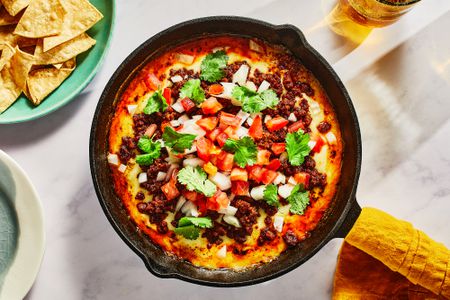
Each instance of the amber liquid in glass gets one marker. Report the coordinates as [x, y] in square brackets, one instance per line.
[376, 13]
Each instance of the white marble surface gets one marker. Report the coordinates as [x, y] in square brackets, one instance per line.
[399, 80]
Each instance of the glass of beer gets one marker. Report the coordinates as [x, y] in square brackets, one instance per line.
[376, 13]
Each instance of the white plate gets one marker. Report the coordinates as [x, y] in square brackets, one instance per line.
[22, 236]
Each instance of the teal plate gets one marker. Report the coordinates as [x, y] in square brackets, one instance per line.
[88, 64]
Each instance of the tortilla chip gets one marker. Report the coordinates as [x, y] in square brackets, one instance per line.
[21, 63]
[65, 51]
[42, 82]
[7, 36]
[7, 53]
[7, 19]
[9, 91]
[15, 6]
[80, 16]
[42, 18]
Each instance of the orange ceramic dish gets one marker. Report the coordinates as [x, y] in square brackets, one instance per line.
[225, 151]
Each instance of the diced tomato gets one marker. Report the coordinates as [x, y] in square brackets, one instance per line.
[187, 104]
[255, 172]
[256, 130]
[278, 148]
[302, 178]
[190, 195]
[204, 148]
[268, 176]
[296, 126]
[201, 204]
[263, 157]
[170, 189]
[230, 131]
[167, 94]
[240, 188]
[218, 201]
[225, 161]
[222, 138]
[210, 168]
[213, 134]
[274, 164]
[208, 123]
[319, 143]
[276, 123]
[152, 82]
[238, 174]
[229, 119]
[215, 89]
[211, 106]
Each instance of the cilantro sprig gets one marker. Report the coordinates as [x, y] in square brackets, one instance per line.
[189, 232]
[156, 102]
[297, 147]
[253, 102]
[192, 89]
[195, 179]
[188, 227]
[177, 141]
[271, 195]
[245, 151]
[298, 199]
[211, 68]
[152, 151]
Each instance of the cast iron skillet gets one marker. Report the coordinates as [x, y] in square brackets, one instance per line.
[340, 216]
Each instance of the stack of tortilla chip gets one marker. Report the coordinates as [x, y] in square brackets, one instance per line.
[385, 258]
[39, 42]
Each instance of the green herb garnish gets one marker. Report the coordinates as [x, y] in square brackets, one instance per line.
[298, 199]
[156, 102]
[212, 66]
[190, 232]
[271, 195]
[297, 147]
[201, 222]
[245, 151]
[152, 151]
[177, 141]
[253, 102]
[193, 90]
[195, 179]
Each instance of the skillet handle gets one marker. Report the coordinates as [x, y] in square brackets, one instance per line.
[349, 221]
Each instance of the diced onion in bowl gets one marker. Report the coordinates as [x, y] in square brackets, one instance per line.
[257, 192]
[113, 159]
[255, 46]
[331, 138]
[292, 117]
[221, 180]
[194, 162]
[232, 220]
[278, 223]
[161, 176]
[222, 253]
[241, 74]
[251, 86]
[280, 179]
[227, 90]
[230, 210]
[142, 177]
[180, 203]
[178, 107]
[131, 108]
[185, 58]
[285, 190]
[122, 168]
[176, 78]
[263, 86]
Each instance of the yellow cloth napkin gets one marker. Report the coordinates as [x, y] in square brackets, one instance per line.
[386, 258]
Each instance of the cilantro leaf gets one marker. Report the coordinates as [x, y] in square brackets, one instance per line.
[152, 151]
[297, 147]
[190, 232]
[212, 66]
[253, 102]
[192, 90]
[156, 102]
[298, 199]
[245, 151]
[198, 222]
[271, 195]
[196, 179]
[177, 141]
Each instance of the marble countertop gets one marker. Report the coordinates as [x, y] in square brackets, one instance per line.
[398, 78]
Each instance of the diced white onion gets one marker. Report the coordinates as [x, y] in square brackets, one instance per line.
[263, 86]
[267, 118]
[249, 121]
[161, 142]
[194, 162]
[232, 220]
[190, 209]
[131, 108]
[192, 150]
[161, 176]
[221, 180]
[176, 78]
[283, 157]
[178, 107]
[180, 203]
[175, 123]
[280, 179]
[185, 58]
[255, 47]
[113, 159]
[257, 192]
[243, 115]
[227, 90]
[292, 180]
[192, 128]
[183, 119]
[230, 210]
[241, 132]
[283, 211]
[142, 178]
[172, 158]
[196, 117]
[278, 223]
[241, 74]
[311, 144]
[285, 190]
[331, 138]
[122, 168]
[222, 253]
[292, 117]
[314, 107]
[251, 86]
